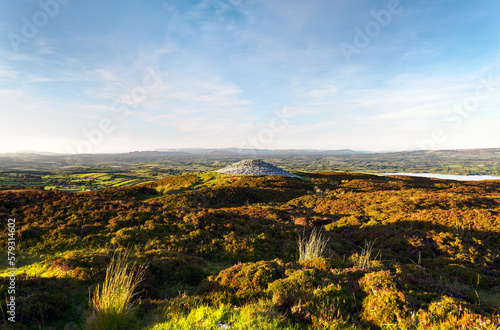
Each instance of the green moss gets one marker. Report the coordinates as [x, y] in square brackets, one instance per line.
[259, 315]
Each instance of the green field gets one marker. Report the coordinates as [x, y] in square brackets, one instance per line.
[70, 182]
[91, 172]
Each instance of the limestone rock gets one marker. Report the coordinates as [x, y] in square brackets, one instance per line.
[255, 167]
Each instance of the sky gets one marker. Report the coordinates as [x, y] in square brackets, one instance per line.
[118, 76]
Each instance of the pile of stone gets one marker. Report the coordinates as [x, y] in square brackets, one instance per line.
[255, 167]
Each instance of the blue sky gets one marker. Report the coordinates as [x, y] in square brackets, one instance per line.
[118, 76]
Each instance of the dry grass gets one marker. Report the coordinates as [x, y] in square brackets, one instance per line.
[313, 247]
[365, 259]
[111, 305]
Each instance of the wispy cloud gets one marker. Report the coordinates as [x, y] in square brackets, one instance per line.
[214, 72]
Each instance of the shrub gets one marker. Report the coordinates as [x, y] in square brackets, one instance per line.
[245, 281]
[314, 296]
[80, 265]
[384, 304]
[451, 313]
[41, 300]
[166, 272]
[111, 306]
[296, 287]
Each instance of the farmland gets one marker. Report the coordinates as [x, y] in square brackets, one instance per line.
[89, 172]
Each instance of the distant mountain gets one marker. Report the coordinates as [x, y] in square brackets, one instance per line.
[252, 153]
[33, 152]
[222, 152]
[447, 153]
[239, 151]
[28, 155]
[155, 153]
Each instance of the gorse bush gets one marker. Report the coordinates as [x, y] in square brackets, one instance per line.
[111, 305]
[313, 247]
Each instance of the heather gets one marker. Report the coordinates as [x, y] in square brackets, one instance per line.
[222, 251]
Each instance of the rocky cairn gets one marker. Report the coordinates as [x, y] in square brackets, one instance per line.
[255, 167]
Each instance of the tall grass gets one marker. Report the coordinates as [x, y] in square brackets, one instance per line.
[365, 259]
[312, 247]
[111, 305]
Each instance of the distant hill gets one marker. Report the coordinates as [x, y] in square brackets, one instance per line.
[239, 151]
[155, 153]
[457, 161]
[480, 152]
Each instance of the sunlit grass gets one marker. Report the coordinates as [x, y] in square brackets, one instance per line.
[192, 181]
[365, 259]
[259, 315]
[312, 247]
[111, 305]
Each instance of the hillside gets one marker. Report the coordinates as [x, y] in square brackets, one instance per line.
[222, 251]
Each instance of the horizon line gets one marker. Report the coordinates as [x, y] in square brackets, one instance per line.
[166, 150]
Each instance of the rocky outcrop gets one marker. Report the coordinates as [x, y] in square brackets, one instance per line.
[255, 167]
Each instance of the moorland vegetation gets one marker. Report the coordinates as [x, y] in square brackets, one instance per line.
[227, 251]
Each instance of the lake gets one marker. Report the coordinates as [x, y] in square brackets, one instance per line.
[450, 176]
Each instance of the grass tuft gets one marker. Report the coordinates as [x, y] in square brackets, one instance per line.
[365, 260]
[111, 306]
[312, 247]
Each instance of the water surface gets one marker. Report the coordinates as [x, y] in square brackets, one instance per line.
[450, 176]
